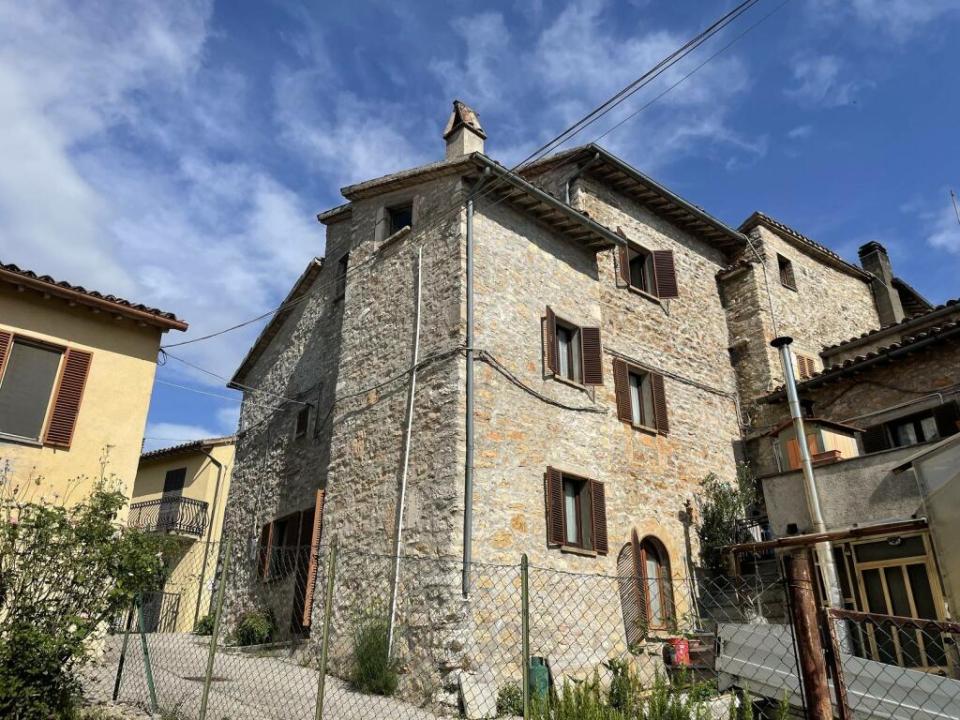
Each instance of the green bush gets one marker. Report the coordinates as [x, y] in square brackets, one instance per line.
[373, 671]
[255, 627]
[204, 626]
[510, 700]
[64, 573]
[722, 507]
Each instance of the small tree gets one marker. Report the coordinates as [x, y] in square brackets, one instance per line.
[723, 507]
[64, 572]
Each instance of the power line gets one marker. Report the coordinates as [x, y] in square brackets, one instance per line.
[591, 117]
[167, 353]
[953, 196]
[215, 395]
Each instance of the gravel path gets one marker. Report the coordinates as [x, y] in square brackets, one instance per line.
[245, 687]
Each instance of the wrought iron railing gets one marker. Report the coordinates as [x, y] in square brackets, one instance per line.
[171, 514]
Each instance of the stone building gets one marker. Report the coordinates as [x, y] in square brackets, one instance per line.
[620, 354]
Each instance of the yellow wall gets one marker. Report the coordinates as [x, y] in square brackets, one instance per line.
[116, 397]
[189, 579]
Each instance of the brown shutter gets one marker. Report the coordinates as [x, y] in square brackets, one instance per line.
[592, 356]
[665, 273]
[638, 571]
[266, 540]
[553, 492]
[599, 513]
[623, 256]
[6, 339]
[621, 384]
[875, 439]
[550, 340]
[947, 417]
[312, 566]
[659, 403]
[66, 403]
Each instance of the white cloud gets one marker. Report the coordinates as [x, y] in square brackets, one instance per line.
[165, 434]
[943, 229]
[898, 19]
[477, 80]
[800, 132]
[820, 82]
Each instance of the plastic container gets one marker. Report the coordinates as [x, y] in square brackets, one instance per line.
[681, 651]
[538, 678]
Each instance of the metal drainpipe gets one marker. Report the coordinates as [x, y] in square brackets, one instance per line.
[828, 568]
[468, 461]
[398, 542]
[210, 524]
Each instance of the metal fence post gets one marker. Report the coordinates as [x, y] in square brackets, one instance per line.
[147, 667]
[212, 651]
[123, 653]
[327, 612]
[816, 688]
[525, 631]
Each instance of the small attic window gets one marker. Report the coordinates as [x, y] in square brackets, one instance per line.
[787, 278]
[400, 217]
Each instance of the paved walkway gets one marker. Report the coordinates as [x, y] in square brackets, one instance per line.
[245, 687]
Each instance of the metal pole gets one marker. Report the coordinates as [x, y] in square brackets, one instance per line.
[211, 523]
[411, 398]
[468, 462]
[147, 668]
[525, 631]
[327, 612]
[813, 670]
[123, 654]
[828, 567]
[212, 650]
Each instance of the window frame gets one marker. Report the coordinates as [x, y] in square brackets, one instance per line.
[343, 267]
[574, 352]
[786, 273]
[300, 432]
[28, 340]
[392, 211]
[644, 384]
[663, 573]
[649, 286]
[583, 489]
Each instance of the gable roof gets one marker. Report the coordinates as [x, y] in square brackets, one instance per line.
[821, 252]
[910, 298]
[187, 448]
[79, 295]
[950, 307]
[270, 330]
[607, 168]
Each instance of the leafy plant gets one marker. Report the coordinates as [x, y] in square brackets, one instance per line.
[722, 507]
[64, 572]
[204, 625]
[373, 670]
[255, 627]
[510, 700]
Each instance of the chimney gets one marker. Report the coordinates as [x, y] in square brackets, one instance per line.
[874, 259]
[463, 133]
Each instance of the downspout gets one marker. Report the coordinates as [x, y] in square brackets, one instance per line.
[577, 174]
[411, 396]
[210, 525]
[468, 461]
[824, 549]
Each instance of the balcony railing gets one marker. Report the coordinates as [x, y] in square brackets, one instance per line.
[172, 514]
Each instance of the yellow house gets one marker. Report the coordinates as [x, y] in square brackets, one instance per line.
[182, 491]
[76, 374]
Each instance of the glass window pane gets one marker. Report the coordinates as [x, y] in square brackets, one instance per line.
[575, 373]
[586, 515]
[652, 572]
[570, 510]
[900, 601]
[905, 434]
[26, 389]
[638, 270]
[922, 595]
[635, 384]
[563, 350]
[647, 393]
[929, 427]
[875, 551]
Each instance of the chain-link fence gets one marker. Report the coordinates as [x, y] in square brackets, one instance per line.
[374, 636]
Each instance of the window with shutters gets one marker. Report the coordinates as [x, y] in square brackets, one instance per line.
[641, 398]
[934, 424]
[649, 272]
[646, 587]
[28, 375]
[785, 267]
[302, 423]
[573, 353]
[804, 366]
[576, 512]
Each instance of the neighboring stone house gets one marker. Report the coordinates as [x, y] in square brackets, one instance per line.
[76, 375]
[621, 353]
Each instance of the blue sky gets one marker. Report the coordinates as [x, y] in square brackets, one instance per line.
[176, 153]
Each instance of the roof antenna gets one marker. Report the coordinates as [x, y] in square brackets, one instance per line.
[953, 196]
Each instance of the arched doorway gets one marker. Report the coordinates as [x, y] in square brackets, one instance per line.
[646, 588]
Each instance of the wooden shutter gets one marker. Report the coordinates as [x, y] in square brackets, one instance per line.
[6, 340]
[631, 600]
[598, 511]
[665, 273]
[550, 340]
[638, 571]
[312, 566]
[623, 257]
[875, 439]
[659, 403]
[947, 416]
[263, 560]
[592, 356]
[66, 403]
[553, 492]
[621, 384]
